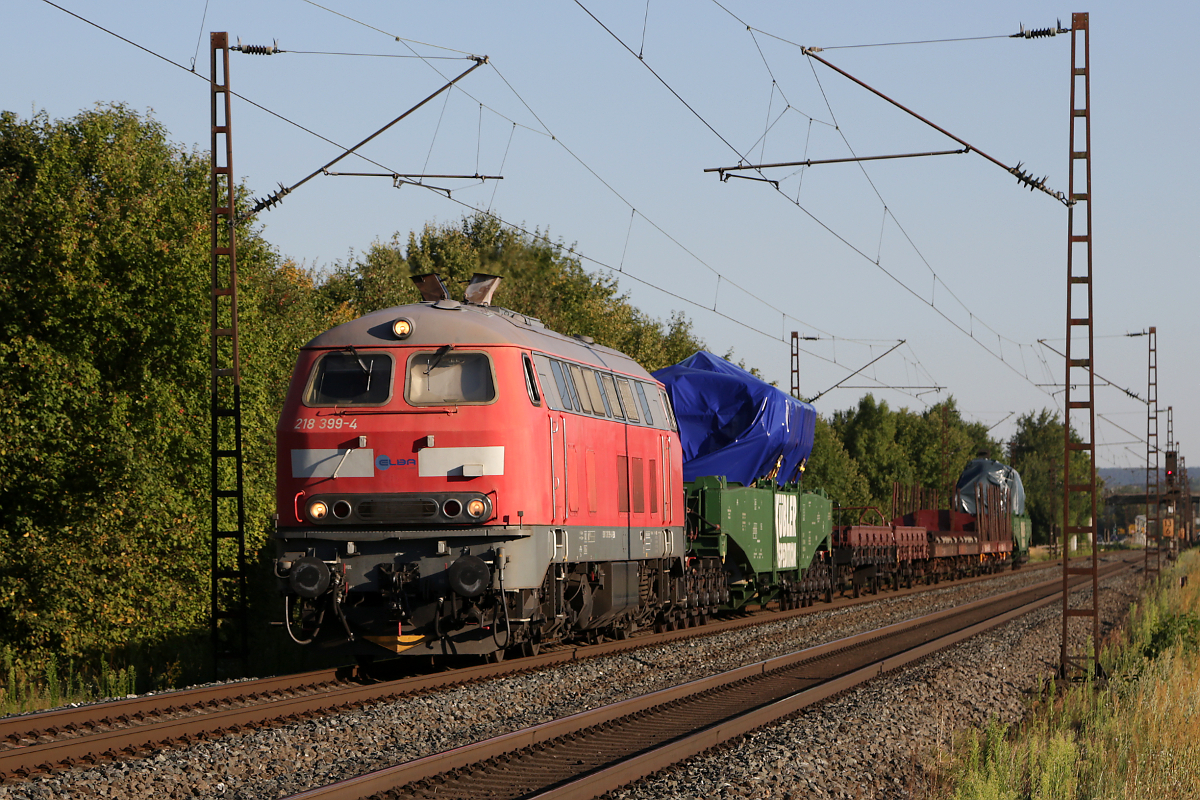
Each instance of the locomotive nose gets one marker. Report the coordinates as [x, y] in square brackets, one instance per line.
[469, 576]
[309, 577]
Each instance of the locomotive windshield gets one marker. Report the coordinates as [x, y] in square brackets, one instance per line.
[350, 378]
[449, 377]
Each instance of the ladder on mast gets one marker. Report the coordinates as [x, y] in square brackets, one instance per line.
[1153, 490]
[1080, 372]
[229, 621]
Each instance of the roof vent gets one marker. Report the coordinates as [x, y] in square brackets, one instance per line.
[431, 286]
[481, 288]
[585, 339]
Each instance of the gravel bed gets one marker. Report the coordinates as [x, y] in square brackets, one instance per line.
[877, 741]
[886, 727]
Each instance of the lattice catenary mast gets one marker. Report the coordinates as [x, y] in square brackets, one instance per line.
[1081, 375]
[228, 541]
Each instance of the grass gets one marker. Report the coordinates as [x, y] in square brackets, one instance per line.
[54, 684]
[1133, 736]
[1042, 553]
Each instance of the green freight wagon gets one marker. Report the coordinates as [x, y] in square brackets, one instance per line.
[772, 540]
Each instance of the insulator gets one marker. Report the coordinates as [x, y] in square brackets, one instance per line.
[1038, 33]
[257, 49]
[270, 200]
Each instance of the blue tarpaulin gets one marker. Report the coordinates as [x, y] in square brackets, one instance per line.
[734, 424]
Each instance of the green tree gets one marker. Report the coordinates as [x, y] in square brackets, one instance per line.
[831, 468]
[871, 435]
[104, 362]
[929, 449]
[542, 279]
[940, 443]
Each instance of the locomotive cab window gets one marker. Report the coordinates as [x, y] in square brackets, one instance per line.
[350, 378]
[449, 377]
[531, 385]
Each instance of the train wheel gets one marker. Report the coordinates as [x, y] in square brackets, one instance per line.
[531, 648]
[494, 657]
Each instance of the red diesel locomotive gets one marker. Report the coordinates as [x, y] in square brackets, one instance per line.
[454, 478]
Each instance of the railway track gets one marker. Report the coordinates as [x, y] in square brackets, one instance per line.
[587, 754]
[44, 742]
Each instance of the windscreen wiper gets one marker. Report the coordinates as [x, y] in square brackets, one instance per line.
[437, 357]
[366, 370]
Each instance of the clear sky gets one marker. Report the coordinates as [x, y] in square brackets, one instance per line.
[607, 151]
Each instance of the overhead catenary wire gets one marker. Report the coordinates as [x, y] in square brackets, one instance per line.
[275, 197]
[376, 55]
[515, 124]
[1107, 382]
[587, 167]
[1016, 171]
[546, 131]
[460, 202]
[817, 396]
[385, 33]
[876, 44]
[200, 35]
[720, 277]
[804, 210]
[193, 73]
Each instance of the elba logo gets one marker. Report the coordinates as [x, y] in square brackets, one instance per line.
[383, 462]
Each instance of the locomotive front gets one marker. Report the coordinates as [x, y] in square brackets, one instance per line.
[401, 507]
[453, 478]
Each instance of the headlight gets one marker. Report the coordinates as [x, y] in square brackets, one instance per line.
[317, 510]
[402, 328]
[476, 507]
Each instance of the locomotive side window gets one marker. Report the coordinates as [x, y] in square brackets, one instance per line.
[531, 381]
[645, 405]
[610, 395]
[666, 401]
[599, 404]
[449, 377]
[579, 389]
[350, 378]
[627, 401]
[553, 388]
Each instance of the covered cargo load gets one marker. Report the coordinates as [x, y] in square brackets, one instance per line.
[985, 470]
[735, 425]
